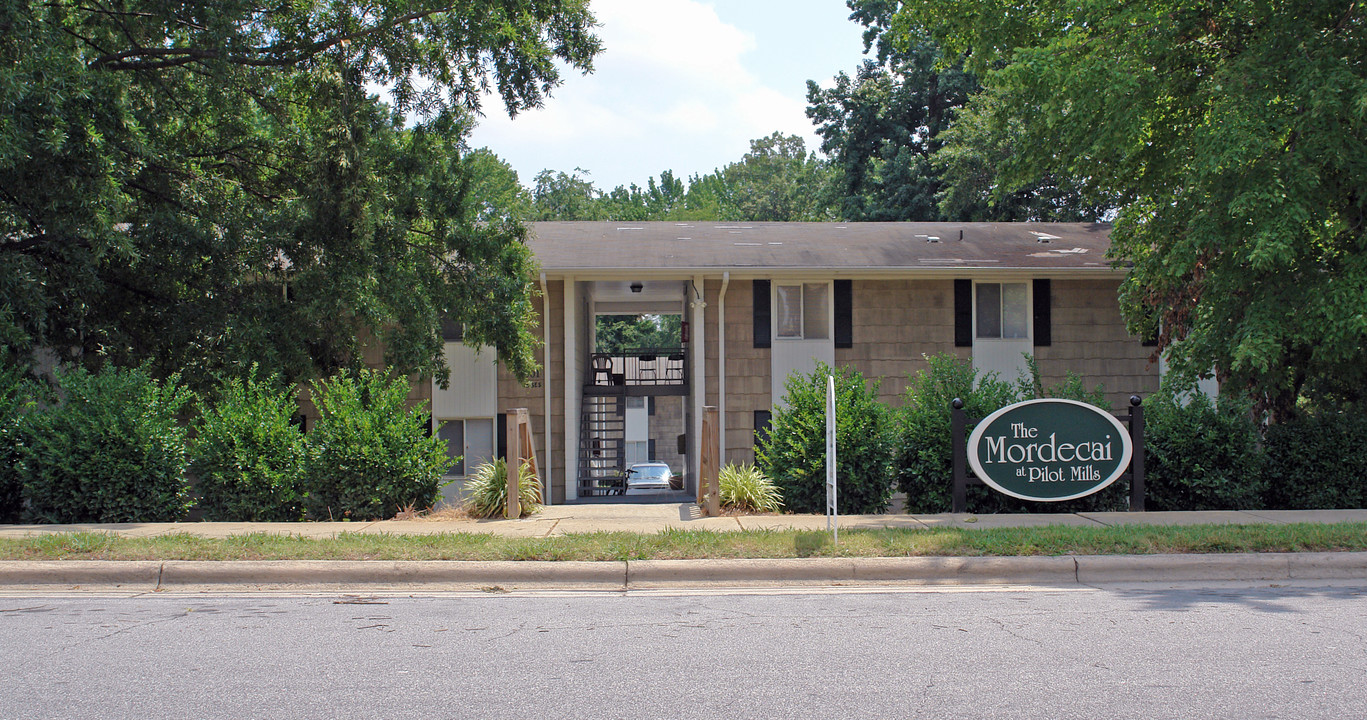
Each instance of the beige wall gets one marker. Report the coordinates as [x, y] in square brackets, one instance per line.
[747, 369]
[1089, 338]
[895, 324]
[665, 427]
[512, 394]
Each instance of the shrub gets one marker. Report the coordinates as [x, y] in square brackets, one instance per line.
[13, 398]
[744, 487]
[1199, 454]
[488, 490]
[1316, 461]
[794, 454]
[925, 445]
[248, 454]
[109, 449]
[370, 455]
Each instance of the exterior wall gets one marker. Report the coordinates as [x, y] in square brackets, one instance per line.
[747, 371]
[1089, 338]
[665, 427]
[895, 323]
[512, 394]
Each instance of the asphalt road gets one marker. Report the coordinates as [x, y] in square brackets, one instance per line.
[1136, 652]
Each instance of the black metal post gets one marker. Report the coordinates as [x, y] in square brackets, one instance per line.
[1137, 489]
[958, 423]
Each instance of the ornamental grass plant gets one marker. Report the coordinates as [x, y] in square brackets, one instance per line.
[745, 487]
[488, 490]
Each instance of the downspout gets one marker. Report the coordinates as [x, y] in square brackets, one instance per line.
[547, 491]
[698, 370]
[721, 369]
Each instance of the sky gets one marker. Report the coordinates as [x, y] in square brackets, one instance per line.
[681, 85]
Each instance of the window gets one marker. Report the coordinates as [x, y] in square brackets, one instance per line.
[471, 440]
[637, 451]
[452, 331]
[804, 311]
[1002, 310]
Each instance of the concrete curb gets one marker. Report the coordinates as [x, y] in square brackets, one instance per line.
[1103, 569]
[508, 575]
[658, 574]
[106, 573]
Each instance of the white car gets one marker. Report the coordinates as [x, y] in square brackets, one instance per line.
[648, 476]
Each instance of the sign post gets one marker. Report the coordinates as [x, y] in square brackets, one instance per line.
[832, 514]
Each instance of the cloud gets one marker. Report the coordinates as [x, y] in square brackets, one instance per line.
[671, 91]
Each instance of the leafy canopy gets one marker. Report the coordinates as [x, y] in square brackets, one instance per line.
[202, 185]
[1233, 133]
[778, 180]
[904, 147]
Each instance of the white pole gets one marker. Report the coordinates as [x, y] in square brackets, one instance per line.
[832, 515]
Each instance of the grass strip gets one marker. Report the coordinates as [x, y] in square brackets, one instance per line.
[673, 544]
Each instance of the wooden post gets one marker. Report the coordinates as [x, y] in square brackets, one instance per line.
[709, 469]
[528, 445]
[514, 463]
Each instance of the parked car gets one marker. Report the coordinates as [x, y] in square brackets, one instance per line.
[649, 476]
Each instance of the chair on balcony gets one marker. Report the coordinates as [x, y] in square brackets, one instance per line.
[647, 373]
[602, 365]
[674, 367]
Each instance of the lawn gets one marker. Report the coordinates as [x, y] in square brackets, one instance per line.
[699, 544]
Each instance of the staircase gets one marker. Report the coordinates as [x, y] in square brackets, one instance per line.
[602, 442]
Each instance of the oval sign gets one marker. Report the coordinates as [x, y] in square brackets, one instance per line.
[1050, 450]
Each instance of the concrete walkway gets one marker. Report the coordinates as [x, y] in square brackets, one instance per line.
[570, 519]
[133, 577]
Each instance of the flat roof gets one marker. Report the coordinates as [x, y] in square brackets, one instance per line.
[858, 248]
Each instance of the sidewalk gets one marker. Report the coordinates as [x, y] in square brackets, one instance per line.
[569, 519]
[387, 576]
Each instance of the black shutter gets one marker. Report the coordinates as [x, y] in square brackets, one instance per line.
[651, 451]
[762, 326]
[963, 313]
[1044, 323]
[650, 404]
[501, 434]
[844, 313]
[762, 419]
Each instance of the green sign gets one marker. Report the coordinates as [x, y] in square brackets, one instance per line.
[1049, 450]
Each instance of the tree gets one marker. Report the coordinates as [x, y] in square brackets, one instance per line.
[618, 334]
[496, 194]
[903, 147]
[881, 127]
[657, 201]
[1233, 134]
[202, 185]
[566, 196]
[968, 166]
[777, 181]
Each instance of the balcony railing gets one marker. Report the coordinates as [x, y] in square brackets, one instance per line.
[639, 366]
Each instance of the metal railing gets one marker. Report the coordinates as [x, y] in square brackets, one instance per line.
[639, 366]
